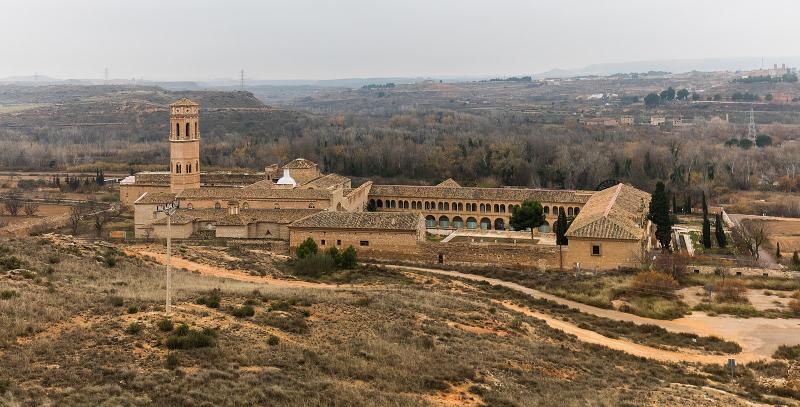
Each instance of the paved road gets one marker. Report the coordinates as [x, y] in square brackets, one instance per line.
[758, 337]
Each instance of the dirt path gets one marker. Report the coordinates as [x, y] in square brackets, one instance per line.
[758, 337]
[588, 336]
[213, 271]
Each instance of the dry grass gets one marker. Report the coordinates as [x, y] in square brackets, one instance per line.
[396, 345]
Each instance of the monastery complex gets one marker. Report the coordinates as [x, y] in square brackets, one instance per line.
[293, 201]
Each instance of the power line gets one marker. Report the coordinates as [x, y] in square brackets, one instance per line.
[751, 128]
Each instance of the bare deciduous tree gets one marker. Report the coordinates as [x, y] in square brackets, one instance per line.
[12, 201]
[31, 208]
[749, 237]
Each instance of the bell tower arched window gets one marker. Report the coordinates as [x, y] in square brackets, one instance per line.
[177, 130]
[178, 168]
[188, 132]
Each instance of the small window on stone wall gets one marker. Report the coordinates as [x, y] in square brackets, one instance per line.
[322, 242]
[364, 243]
[338, 242]
[595, 250]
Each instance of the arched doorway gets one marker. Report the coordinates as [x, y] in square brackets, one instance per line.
[486, 224]
[444, 222]
[499, 224]
[458, 223]
[472, 223]
[430, 221]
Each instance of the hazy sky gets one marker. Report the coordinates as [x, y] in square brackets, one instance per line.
[294, 39]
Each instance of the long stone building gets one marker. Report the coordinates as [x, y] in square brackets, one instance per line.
[295, 201]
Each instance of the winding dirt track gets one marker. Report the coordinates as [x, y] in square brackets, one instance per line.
[759, 337]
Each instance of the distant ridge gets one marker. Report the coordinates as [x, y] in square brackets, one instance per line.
[672, 65]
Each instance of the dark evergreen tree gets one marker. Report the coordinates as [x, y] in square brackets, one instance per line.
[706, 225]
[675, 209]
[687, 205]
[778, 254]
[561, 227]
[659, 215]
[720, 232]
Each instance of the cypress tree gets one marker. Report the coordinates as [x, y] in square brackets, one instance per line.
[561, 229]
[706, 225]
[795, 261]
[659, 215]
[675, 209]
[778, 250]
[720, 232]
[687, 205]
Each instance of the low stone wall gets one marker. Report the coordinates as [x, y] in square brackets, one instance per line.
[472, 254]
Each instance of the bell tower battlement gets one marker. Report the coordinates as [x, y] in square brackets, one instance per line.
[184, 145]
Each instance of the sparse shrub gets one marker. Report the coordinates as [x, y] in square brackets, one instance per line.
[116, 301]
[654, 283]
[171, 362]
[273, 340]
[134, 328]
[211, 300]
[243, 311]
[165, 325]
[794, 306]
[186, 338]
[53, 259]
[110, 261]
[132, 309]
[314, 265]
[7, 294]
[291, 323]
[307, 248]
[730, 291]
[10, 262]
[787, 352]
[5, 385]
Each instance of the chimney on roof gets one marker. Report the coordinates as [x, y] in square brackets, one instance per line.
[233, 207]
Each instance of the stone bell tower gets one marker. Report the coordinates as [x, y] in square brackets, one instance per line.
[184, 145]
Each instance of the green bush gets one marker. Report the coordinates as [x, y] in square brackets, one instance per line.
[348, 260]
[243, 311]
[171, 361]
[116, 301]
[211, 300]
[53, 259]
[186, 338]
[11, 262]
[133, 309]
[787, 352]
[165, 325]
[307, 248]
[134, 328]
[314, 265]
[273, 340]
[8, 294]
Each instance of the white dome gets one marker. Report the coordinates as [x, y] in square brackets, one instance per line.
[287, 179]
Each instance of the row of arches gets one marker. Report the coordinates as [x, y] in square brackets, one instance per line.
[443, 206]
[444, 222]
[187, 168]
[188, 133]
[568, 211]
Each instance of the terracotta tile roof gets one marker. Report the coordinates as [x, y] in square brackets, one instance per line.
[161, 178]
[184, 102]
[299, 163]
[449, 183]
[155, 198]
[327, 181]
[613, 213]
[245, 216]
[255, 193]
[360, 220]
[479, 194]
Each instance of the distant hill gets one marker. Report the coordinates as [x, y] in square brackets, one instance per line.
[674, 65]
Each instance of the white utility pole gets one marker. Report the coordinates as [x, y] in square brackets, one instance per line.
[169, 210]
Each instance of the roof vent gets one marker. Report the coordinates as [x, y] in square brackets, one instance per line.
[287, 179]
